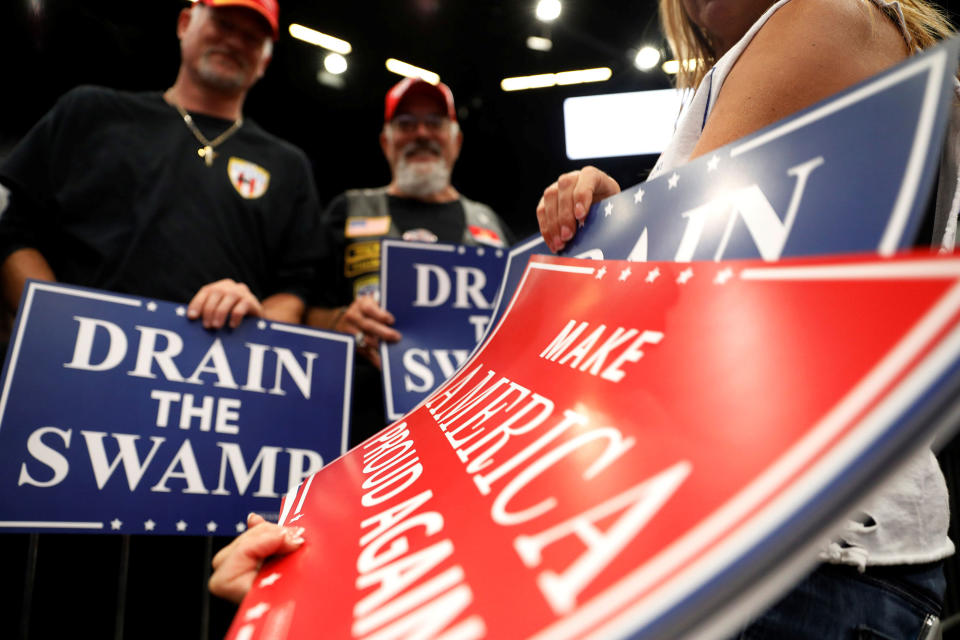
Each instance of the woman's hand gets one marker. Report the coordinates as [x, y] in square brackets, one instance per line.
[565, 203]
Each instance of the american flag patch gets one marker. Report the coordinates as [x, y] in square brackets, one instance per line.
[485, 236]
[359, 227]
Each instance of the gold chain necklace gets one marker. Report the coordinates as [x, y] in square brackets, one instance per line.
[206, 151]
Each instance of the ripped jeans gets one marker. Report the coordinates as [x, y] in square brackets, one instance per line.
[837, 602]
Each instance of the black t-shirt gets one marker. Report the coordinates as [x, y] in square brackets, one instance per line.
[109, 187]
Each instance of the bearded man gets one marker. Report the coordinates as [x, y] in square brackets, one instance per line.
[421, 141]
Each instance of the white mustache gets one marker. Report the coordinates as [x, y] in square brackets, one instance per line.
[423, 145]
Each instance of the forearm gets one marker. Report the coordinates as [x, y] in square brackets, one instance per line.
[283, 307]
[20, 265]
[324, 318]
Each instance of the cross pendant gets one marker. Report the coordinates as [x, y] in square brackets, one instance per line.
[207, 154]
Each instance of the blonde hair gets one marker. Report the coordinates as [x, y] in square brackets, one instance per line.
[926, 23]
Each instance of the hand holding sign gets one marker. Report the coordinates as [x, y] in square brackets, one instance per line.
[564, 204]
[369, 324]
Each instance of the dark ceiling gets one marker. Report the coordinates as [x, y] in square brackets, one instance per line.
[513, 141]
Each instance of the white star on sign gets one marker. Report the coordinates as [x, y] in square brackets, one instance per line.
[607, 210]
[151, 306]
[624, 274]
[256, 612]
[211, 526]
[653, 274]
[181, 526]
[480, 251]
[723, 276]
[638, 196]
[115, 524]
[712, 163]
[262, 324]
[602, 271]
[674, 179]
[181, 311]
[461, 250]
[270, 579]
[499, 253]
[241, 527]
[685, 275]
[149, 525]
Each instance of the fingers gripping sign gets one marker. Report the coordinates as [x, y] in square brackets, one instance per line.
[564, 204]
[217, 301]
[369, 324]
[236, 565]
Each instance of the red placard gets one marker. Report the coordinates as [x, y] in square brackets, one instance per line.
[630, 432]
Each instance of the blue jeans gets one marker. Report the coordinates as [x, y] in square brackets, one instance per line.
[837, 602]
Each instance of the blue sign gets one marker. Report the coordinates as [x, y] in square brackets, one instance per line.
[848, 174]
[118, 415]
[441, 296]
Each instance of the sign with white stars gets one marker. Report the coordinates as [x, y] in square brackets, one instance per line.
[441, 296]
[851, 173]
[119, 415]
[640, 462]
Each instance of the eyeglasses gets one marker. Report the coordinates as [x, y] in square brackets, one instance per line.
[407, 123]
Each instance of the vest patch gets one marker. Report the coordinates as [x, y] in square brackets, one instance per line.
[361, 257]
[250, 180]
[485, 236]
[363, 226]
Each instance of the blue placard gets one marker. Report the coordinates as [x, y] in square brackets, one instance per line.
[118, 415]
[851, 173]
[441, 296]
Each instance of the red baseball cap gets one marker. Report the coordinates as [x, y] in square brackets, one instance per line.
[409, 86]
[266, 8]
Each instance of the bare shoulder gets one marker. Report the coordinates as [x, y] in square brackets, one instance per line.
[807, 51]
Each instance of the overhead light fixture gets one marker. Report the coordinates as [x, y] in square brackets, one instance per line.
[402, 68]
[548, 10]
[543, 80]
[335, 63]
[538, 43]
[672, 67]
[646, 58]
[319, 39]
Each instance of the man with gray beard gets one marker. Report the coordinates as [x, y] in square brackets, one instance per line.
[421, 140]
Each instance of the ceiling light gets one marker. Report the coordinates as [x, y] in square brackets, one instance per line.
[548, 10]
[538, 43]
[313, 36]
[673, 66]
[543, 80]
[406, 69]
[335, 63]
[646, 58]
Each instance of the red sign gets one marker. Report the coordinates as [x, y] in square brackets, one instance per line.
[627, 445]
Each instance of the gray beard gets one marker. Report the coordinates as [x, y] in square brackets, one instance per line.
[421, 179]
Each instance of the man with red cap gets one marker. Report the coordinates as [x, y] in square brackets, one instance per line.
[421, 140]
[170, 195]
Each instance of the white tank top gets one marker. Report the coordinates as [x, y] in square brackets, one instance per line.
[906, 520]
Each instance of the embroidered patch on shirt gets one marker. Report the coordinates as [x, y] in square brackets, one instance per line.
[485, 236]
[419, 235]
[250, 180]
[359, 227]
